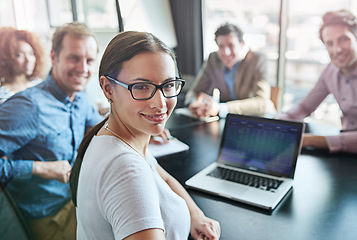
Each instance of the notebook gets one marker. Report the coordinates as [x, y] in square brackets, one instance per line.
[173, 146]
[256, 161]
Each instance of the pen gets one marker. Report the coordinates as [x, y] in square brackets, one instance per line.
[216, 95]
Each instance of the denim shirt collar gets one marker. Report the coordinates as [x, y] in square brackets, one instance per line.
[56, 91]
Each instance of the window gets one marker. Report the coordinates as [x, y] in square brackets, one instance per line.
[59, 12]
[24, 14]
[151, 16]
[98, 14]
[306, 56]
[7, 16]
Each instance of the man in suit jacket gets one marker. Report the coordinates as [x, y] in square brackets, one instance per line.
[238, 73]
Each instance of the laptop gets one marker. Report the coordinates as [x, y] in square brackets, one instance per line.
[256, 161]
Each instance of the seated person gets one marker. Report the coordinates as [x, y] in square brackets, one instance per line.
[120, 190]
[42, 127]
[239, 74]
[338, 32]
[21, 61]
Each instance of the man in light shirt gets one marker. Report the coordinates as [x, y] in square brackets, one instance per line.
[338, 32]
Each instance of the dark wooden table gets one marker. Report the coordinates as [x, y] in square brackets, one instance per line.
[321, 205]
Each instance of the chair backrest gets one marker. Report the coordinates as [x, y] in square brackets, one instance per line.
[12, 224]
[274, 96]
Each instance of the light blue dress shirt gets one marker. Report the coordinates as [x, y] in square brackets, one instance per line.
[229, 78]
[41, 124]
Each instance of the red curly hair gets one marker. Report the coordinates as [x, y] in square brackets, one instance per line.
[9, 38]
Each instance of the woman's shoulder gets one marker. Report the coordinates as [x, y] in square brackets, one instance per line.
[5, 93]
[114, 152]
[35, 81]
[112, 161]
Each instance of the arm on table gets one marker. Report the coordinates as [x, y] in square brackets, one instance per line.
[311, 140]
[204, 106]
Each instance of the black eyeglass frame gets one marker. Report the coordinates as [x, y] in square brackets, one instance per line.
[130, 86]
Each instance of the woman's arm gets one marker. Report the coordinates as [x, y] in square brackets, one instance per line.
[201, 226]
[154, 234]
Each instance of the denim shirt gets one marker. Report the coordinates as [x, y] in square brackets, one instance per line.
[229, 78]
[41, 124]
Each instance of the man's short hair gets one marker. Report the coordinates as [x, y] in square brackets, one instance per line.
[341, 17]
[229, 28]
[75, 29]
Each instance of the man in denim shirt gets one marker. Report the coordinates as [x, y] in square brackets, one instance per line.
[40, 131]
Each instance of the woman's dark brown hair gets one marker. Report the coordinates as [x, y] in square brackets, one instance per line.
[121, 48]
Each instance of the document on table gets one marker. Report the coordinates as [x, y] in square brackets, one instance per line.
[185, 111]
[173, 146]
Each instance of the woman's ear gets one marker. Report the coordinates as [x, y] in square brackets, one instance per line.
[107, 87]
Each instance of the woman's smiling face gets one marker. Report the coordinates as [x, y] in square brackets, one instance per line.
[145, 116]
[25, 59]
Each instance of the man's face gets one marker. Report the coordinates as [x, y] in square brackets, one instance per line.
[229, 48]
[74, 65]
[341, 45]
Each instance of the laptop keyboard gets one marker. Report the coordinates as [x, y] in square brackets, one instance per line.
[245, 178]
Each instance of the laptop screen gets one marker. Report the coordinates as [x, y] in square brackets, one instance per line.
[263, 145]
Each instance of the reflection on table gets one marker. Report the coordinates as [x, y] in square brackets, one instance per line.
[321, 205]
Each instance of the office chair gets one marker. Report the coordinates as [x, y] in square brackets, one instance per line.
[274, 96]
[13, 226]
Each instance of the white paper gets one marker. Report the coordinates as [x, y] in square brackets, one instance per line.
[187, 112]
[173, 146]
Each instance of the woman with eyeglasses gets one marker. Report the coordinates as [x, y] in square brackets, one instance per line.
[119, 189]
[21, 61]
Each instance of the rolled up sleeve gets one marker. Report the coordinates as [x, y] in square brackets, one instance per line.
[20, 170]
[17, 128]
[343, 142]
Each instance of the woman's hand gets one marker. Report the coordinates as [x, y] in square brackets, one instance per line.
[204, 228]
[162, 138]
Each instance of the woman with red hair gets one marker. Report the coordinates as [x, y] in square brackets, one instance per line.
[21, 61]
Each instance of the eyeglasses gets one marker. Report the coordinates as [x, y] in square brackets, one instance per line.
[145, 91]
